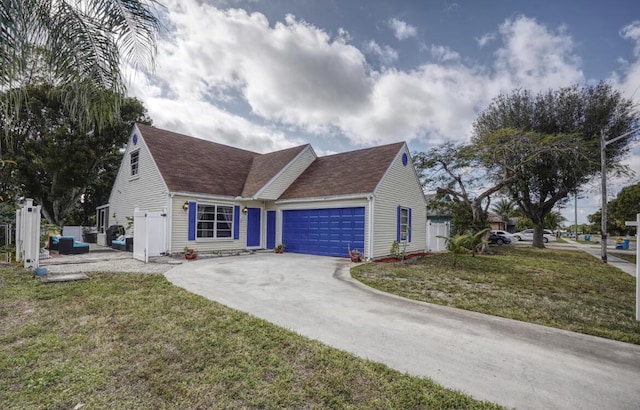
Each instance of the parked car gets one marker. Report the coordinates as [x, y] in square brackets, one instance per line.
[503, 233]
[527, 235]
[497, 239]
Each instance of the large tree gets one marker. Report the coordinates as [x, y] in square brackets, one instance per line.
[58, 158]
[559, 132]
[79, 46]
[471, 173]
[505, 209]
[624, 207]
[446, 169]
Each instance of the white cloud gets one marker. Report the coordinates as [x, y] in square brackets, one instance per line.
[531, 53]
[291, 72]
[628, 79]
[401, 29]
[202, 120]
[404, 106]
[632, 32]
[386, 54]
[485, 39]
[443, 54]
[344, 35]
[292, 76]
[452, 7]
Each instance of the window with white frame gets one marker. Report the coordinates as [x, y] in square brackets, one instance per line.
[404, 224]
[214, 221]
[135, 160]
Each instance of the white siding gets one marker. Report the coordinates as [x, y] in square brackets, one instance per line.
[146, 191]
[180, 225]
[322, 204]
[290, 173]
[399, 186]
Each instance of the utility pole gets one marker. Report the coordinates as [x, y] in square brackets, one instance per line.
[603, 169]
[603, 220]
[575, 231]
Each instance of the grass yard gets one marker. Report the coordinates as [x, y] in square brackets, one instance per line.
[626, 256]
[130, 341]
[564, 289]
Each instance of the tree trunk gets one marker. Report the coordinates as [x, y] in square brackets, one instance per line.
[538, 236]
[479, 223]
[484, 248]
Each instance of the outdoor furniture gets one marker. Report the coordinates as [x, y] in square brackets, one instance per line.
[90, 237]
[53, 242]
[123, 243]
[113, 232]
[67, 245]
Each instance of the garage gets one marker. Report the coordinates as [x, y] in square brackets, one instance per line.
[327, 232]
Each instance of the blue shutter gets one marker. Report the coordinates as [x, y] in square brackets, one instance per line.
[409, 227]
[398, 224]
[193, 210]
[236, 222]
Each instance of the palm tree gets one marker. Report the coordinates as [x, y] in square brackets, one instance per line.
[76, 45]
[553, 220]
[505, 209]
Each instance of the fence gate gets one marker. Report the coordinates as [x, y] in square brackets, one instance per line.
[434, 230]
[149, 238]
[28, 234]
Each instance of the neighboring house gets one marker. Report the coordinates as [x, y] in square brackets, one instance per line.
[437, 211]
[511, 225]
[215, 197]
[438, 222]
[496, 222]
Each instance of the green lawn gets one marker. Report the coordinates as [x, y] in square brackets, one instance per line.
[563, 289]
[626, 256]
[129, 341]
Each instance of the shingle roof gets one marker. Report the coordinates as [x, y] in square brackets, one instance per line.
[355, 172]
[190, 164]
[266, 166]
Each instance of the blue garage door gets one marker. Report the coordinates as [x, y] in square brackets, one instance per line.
[323, 231]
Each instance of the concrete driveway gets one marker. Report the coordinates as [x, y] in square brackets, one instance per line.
[509, 362]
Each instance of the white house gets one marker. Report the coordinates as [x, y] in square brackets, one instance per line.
[216, 197]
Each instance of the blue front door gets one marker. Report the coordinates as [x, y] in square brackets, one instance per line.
[253, 227]
[271, 229]
[327, 232]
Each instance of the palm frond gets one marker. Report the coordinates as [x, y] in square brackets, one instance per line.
[78, 45]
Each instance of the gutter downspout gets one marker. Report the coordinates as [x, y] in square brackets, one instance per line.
[168, 224]
[371, 206]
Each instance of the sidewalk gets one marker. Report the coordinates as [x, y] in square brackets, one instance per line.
[594, 250]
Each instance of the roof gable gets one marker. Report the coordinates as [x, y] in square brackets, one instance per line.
[349, 173]
[189, 164]
[265, 167]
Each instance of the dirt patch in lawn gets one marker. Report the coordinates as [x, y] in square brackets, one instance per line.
[391, 259]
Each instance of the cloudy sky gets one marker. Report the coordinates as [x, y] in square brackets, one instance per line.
[269, 74]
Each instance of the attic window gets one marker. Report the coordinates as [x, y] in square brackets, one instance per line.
[135, 159]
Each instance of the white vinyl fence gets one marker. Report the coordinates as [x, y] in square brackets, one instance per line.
[436, 230]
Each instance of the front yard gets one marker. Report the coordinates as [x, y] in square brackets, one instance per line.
[134, 341]
[564, 289]
[631, 258]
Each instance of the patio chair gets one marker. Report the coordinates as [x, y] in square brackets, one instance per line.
[67, 245]
[53, 242]
[123, 244]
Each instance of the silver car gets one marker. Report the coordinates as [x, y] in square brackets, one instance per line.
[527, 235]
